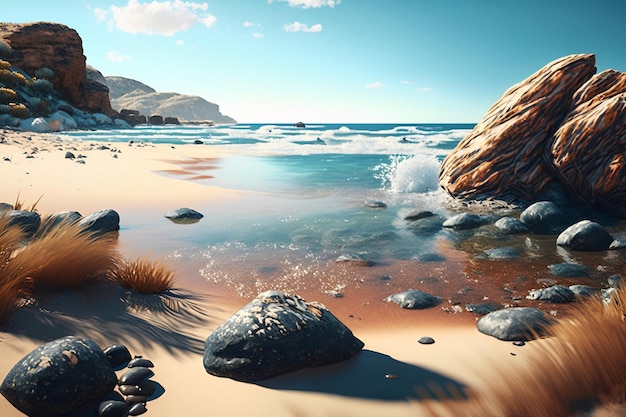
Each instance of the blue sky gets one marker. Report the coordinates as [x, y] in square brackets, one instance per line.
[336, 61]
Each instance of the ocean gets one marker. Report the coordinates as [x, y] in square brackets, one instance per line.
[318, 195]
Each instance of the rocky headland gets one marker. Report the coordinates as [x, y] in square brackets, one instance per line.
[559, 134]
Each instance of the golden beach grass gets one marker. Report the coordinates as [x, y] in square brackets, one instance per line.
[13, 274]
[581, 366]
[143, 275]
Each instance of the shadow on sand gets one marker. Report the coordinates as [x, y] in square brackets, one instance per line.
[371, 375]
[111, 315]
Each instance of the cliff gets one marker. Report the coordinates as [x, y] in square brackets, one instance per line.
[59, 48]
[126, 93]
[562, 128]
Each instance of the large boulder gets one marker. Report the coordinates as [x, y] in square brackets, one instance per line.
[101, 222]
[59, 377]
[274, 334]
[503, 155]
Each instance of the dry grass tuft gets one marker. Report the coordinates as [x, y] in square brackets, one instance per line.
[67, 257]
[144, 276]
[14, 282]
[581, 367]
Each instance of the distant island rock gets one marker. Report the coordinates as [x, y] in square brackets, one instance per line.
[126, 93]
[562, 131]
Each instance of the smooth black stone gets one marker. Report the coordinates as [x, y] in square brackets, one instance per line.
[118, 356]
[545, 217]
[145, 388]
[418, 216]
[414, 299]
[101, 222]
[513, 324]
[511, 226]
[426, 340]
[184, 216]
[112, 408]
[137, 409]
[135, 376]
[133, 399]
[59, 377]
[144, 363]
[554, 294]
[274, 334]
[519, 343]
[464, 221]
[585, 236]
[568, 270]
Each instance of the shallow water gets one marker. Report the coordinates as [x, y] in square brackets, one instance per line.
[314, 194]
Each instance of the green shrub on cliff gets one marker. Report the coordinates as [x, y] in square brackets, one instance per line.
[42, 86]
[5, 50]
[44, 73]
[19, 110]
[5, 109]
[41, 108]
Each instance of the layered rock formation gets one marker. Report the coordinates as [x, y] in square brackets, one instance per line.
[563, 127]
[62, 52]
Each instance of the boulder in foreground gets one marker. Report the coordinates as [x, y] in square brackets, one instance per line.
[59, 377]
[277, 333]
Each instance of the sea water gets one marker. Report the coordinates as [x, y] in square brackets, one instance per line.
[315, 194]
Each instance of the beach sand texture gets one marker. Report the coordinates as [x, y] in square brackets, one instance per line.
[391, 377]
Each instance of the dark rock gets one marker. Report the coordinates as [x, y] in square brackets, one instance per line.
[554, 294]
[58, 219]
[482, 309]
[69, 155]
[545, 218]
[585, 236]
[615, 281]
[517, 323]
[28, 221]
[618, 243]
[59, 377]
[145, 363]
[113, 408]
[464, 221]
[274, 334]
[354, 259]
[414, 299]
[198, 142]
[511, 226]
[569, 270]
[299, 124]
[426, 340]
[376, 204]
[155, 120]
[169, 120]
[133, 399]
[184, 216]
[145, 388]
[519, 343]
[505, 253]
[135, 376]
[418, 216]
[101, 222]
[118, 356]
[5, 207]
[583, 290]
[137, 409]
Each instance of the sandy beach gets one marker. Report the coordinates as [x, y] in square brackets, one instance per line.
[390, 376]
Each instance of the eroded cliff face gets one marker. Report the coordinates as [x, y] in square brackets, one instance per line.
[60, 48]
[561, 125]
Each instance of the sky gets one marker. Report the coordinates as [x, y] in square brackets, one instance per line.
[336, 61]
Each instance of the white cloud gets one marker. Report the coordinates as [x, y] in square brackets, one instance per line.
[376, 84]
[258, 35]
[301, 27]
[159, 17]
[306, 4]
[249, 24]
[425, 89]
[101, 14]
[180, 42]
[115, 56]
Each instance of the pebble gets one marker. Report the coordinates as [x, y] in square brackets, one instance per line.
[137, 409]
[135, 376]
[141, 362]
[426, 340]
[118, 356]
[112, 408]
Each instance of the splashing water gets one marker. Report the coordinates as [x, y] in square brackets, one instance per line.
[410, 174]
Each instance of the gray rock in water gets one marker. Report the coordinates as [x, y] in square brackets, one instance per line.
[482, 309]
[618, 243]
[184, 216]
[517, 323]
[505, 253]
[28, 221]
[411, 217]
[554, 294]
[464, 221]
[511, 226]
[353, 259]
[585, 236]
[583, 290]
[414, 299]
[274, 334]
[101, 222]
[59, 377]
[545, 217]
[569, 270]
[429, 257]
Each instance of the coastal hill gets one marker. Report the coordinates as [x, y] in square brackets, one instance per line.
[126, 93]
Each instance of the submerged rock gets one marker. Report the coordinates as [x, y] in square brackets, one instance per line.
[414, 299]
[274, 334]
[184, 216]
[553, 294]
[59, 377]
[464, 221]
[569, 270]
[585, 236]
[511, 226]
[517, 323]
